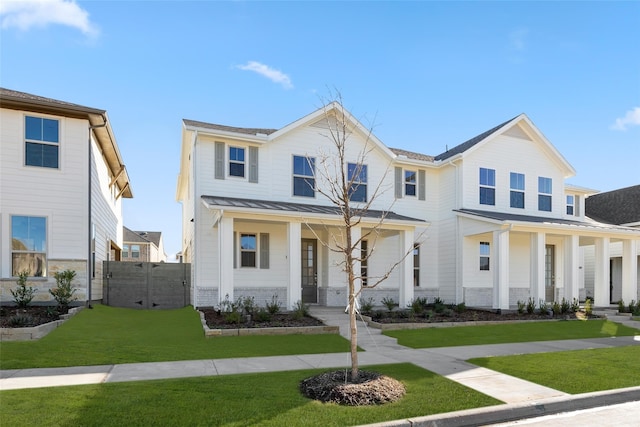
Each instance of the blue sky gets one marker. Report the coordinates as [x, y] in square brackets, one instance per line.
[425, 75]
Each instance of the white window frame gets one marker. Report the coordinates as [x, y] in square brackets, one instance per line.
[133, 251]
[358, 183]
[410, 183]
[238, 162]
[571, 205]
[312, 163]
[42, 141]
[487, 185]
[544, 193]
[518, 188]
[485, 254]
[43, 252]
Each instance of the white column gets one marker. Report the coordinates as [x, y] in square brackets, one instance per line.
[629, 270]
[356, 232]
[500, 259]
[294, 292]
[536, 288]
[405, 284]
[601, 291]
[572, 267]
[225, 259]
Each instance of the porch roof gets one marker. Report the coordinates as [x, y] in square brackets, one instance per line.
[539, 220]
[300, 208]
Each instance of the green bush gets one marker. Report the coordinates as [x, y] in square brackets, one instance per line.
[249, 305]
[20, 320]
[555, 307]
[565, 307]
[273, 307]
[621, 307]
[262, 315]
[23, 295]
[632, 306]
[521, 307]
[542, 307]
[575, 305]
[417, 305]
[588, 307]
[389, 303]
[63, 292]
[366, 305]
[300, 310]
[531, 306]
[461, 308]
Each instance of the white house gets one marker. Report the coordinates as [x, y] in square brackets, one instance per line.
[62, 181]
[490, 221]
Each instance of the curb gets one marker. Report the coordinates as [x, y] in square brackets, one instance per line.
[513, 412]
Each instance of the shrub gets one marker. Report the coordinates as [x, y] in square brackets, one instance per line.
[521, 307]
[23, 295]
[63, 292]
[565, 307]
[542, 307]
[588, 307]
[20, 320]
[249, 305]
[575, 305]
[366, 305]
[263, 315]
[438, 301]
[233, 317]
[417, 305]
[439, 307]
[531, 306]
[389, 303]
[555, 307]
[273, 307]
[300, 310]
[621, 307]
[632, 306]
[461, 308]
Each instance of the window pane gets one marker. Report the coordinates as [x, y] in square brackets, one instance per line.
[34, 263]
[236, 169]
[29, 233]
[487, 196]
[303, 187]
[517, 199]
[358, 193]
[569, 210]
[247, 259]
[517, 181]
[50, 156]
[544, 203]
[49, 130]
[236, 154]
[248, 242]
[360, 170]
[303, 165]
[410, 177]
[485, 248]
[484, 263]
[410, 189]
[487, 177]
[544, 185]
[33, 128]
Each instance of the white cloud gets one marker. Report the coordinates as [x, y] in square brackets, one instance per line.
[632, 118]
[26, 14]
[275, 76]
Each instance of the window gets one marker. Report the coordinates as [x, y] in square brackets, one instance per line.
[364, 261]
[485, 252]
[41, 142]
[29, 245]
[487, 186]
[248, 250]
[135, 251]
[304, 183]
[236, 161]
[409, 183]
[517, 190]
[416, 264]
[357, 175]
[125, 251]
[570, 204]
[544, 194]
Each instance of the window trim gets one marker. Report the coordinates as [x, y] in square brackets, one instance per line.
[489, 186]
[311, 162]
[518, 189]
[42, 141]
[125, 251]
[484, 252]
[358, 184]
[544, 193]
[408, 173]
[133, 251]
[571, 205]
[242, 162]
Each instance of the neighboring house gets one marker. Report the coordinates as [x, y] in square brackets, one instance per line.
[620, 207]
[491, 221]
[142, 246]
[62, 181]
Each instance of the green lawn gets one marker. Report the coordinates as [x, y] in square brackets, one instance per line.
[510, 333]
[579, 371]
[109, 335]
[270, 399]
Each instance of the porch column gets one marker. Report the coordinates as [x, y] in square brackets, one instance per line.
[225, 258]
[629, 270]
[536, 288]
[294, 292]
[356, 233]
[501, 269]
[601, 290]
[572, 267]
[406, 268]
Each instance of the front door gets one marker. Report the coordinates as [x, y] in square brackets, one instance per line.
[309, 271]
[550, 273]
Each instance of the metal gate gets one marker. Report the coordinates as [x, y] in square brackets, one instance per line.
[147, 285]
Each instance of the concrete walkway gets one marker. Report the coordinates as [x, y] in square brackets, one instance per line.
[379, 349]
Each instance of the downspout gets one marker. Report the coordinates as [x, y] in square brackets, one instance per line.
[89, 207]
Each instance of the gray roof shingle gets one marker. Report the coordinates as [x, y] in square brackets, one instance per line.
[212, 126]
[620, 206]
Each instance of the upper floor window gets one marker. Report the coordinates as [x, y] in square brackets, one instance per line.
[517, 190]
[304, 182]
[570, 204]
[135, 251]
[544, 194]
[29, 245]
[41, 142]
[236, 161]
[357, 176]
[485, 254]
[487, 186]
[410, 183]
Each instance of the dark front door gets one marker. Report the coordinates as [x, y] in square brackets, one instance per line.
[309, 271]
[550, 273]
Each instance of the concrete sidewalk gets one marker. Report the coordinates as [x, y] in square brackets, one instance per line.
[379, 349]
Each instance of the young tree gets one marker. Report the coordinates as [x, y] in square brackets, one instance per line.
[338, 179]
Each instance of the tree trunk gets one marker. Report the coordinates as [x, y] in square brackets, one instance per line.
[354, 334]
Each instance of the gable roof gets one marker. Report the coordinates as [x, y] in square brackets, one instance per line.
[212, 126]
[129, 235]
[412, 155]
[473, 141]
[97, 118]
[620, 206]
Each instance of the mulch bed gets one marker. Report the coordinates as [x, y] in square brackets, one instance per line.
[13, 317]
[217, 320]
[370, 388]
[469, 315]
